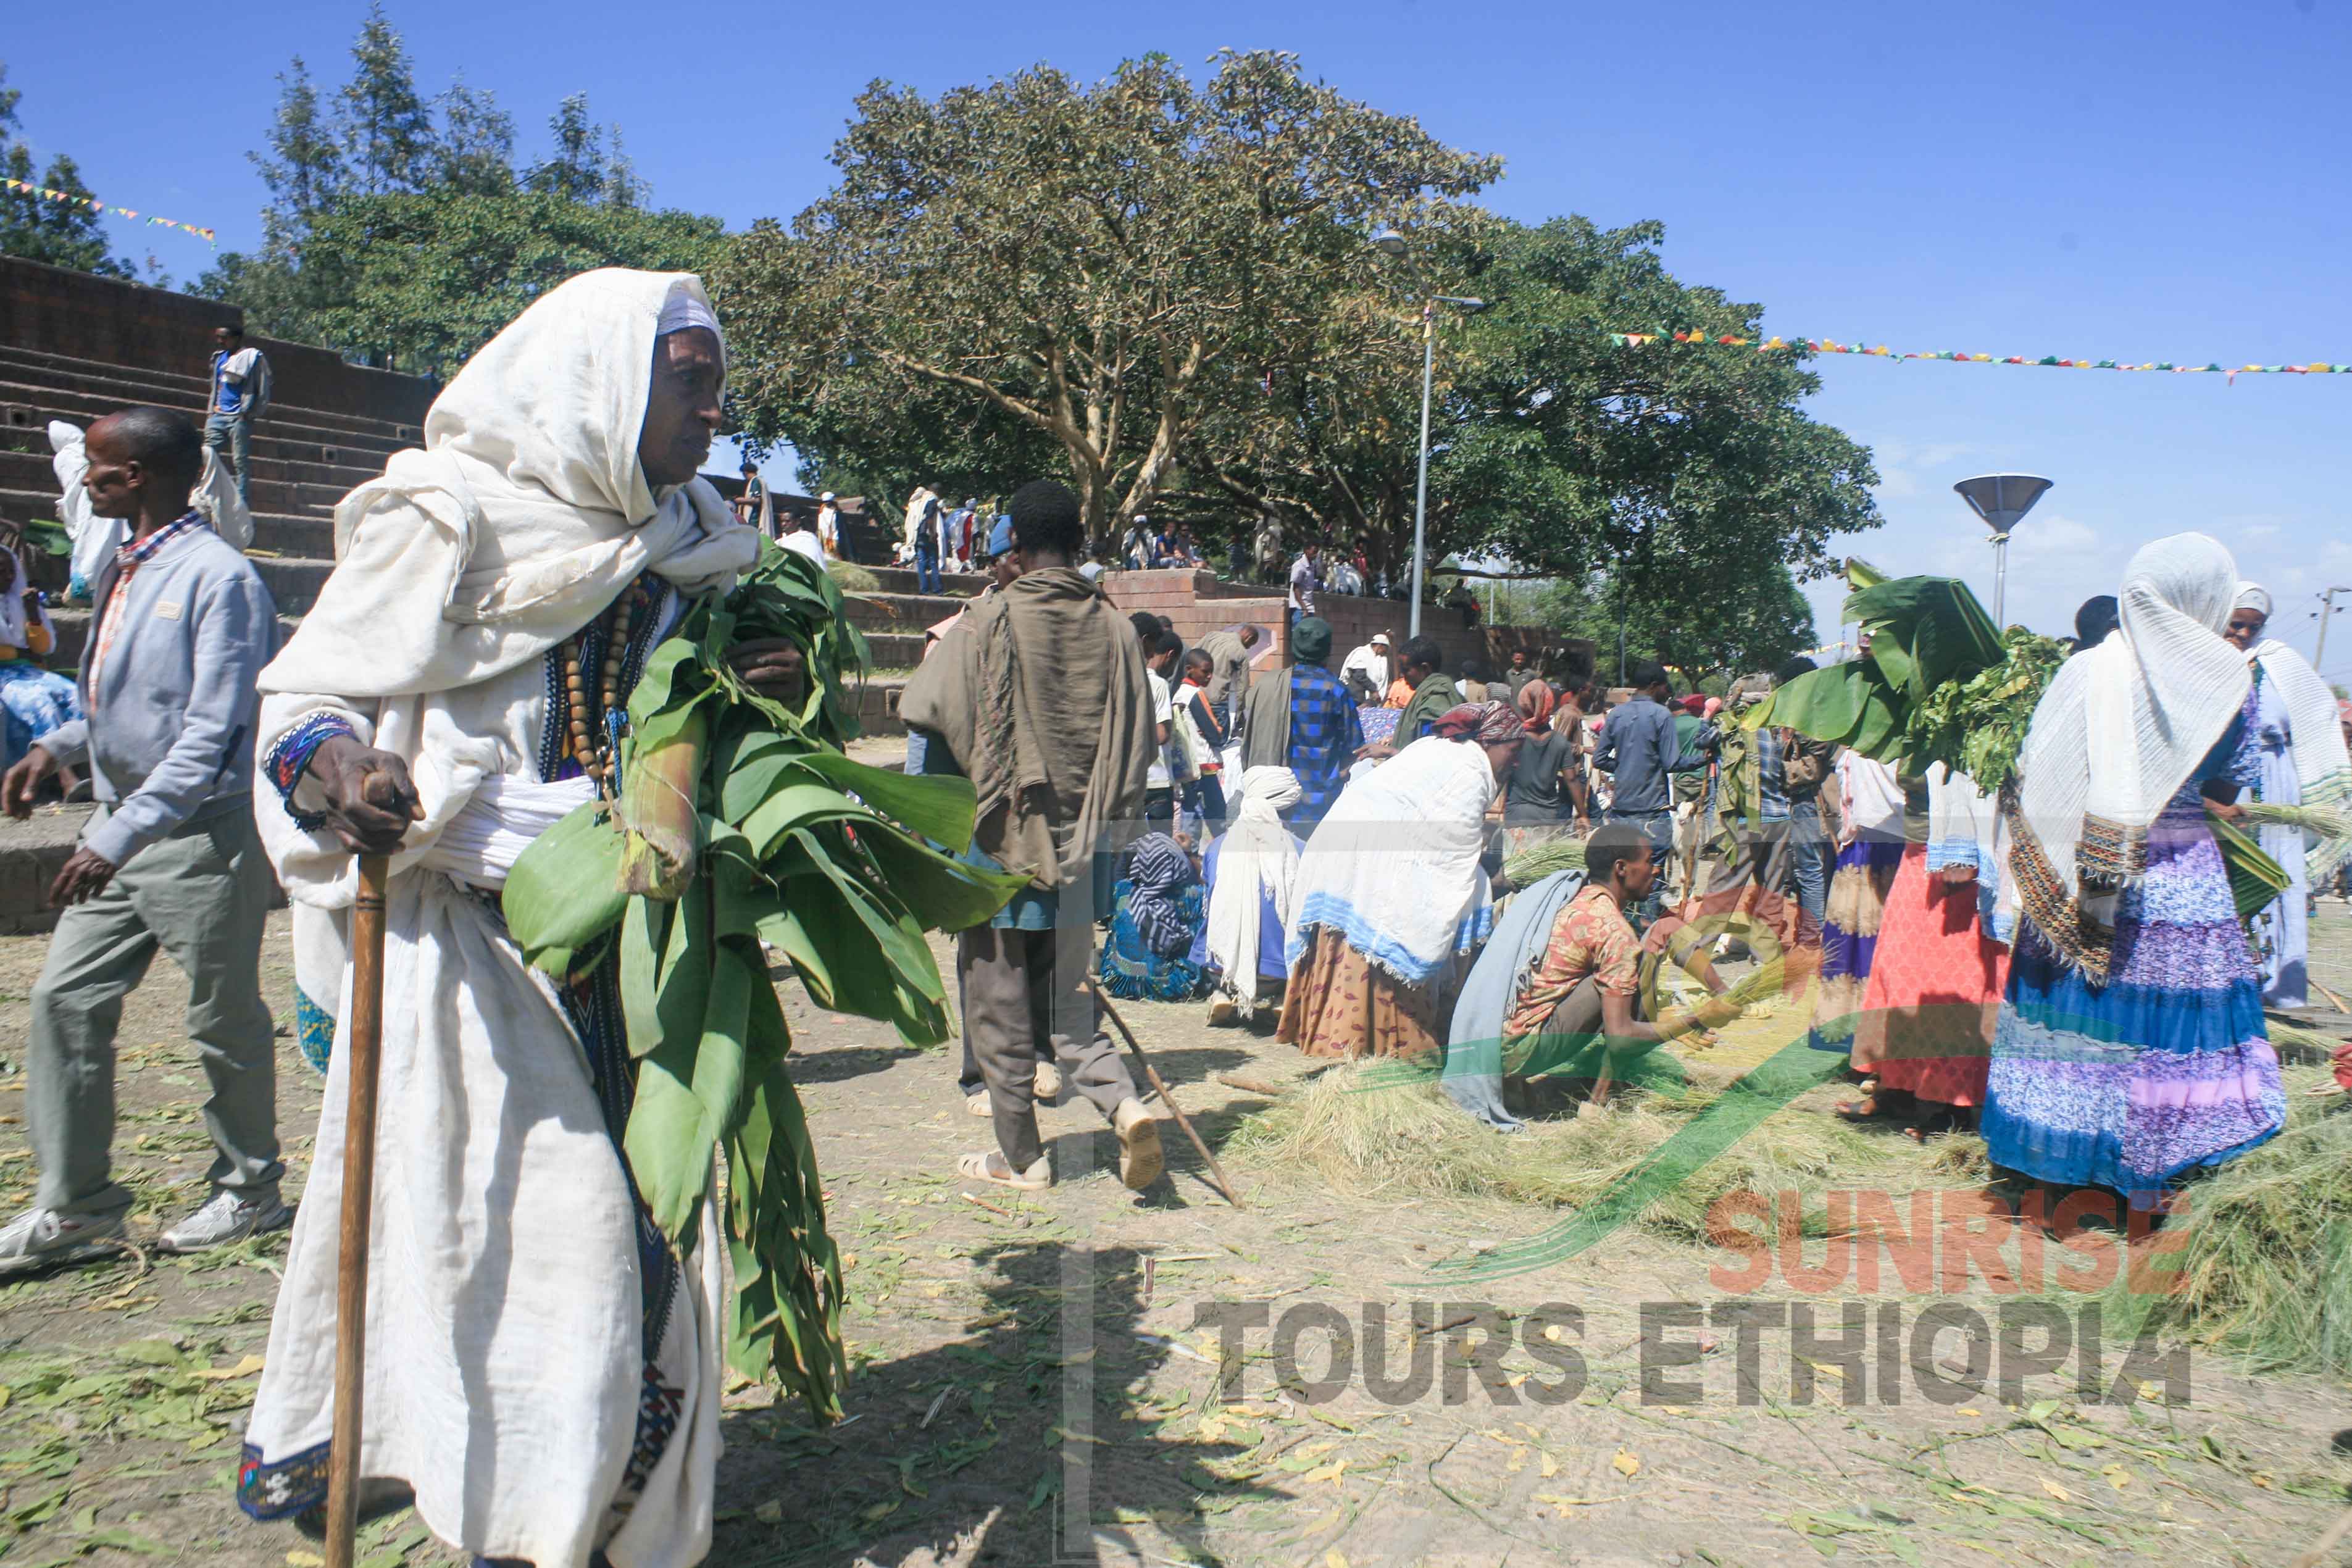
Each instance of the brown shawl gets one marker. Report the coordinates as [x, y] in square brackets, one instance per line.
[1040, 697]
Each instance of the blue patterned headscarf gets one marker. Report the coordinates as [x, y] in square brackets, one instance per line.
[1158, 867]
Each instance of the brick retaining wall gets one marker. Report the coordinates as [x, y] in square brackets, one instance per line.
[51, 309]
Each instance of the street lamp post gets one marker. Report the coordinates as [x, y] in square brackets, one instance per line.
[1391, 243]
[2001, 501]
[2326, 609]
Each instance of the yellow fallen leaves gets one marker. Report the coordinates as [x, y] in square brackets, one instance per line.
[1566, 1505]
[1330, 1472]
[245, 1368]
[1551, 1467]
[2054, 1490]
[2118, 1477]
[770, 1512]
[1332, 1559]
[297, 1558]
[1625, 1464]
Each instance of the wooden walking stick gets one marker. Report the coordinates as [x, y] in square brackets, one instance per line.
[365, 1043]
[1151, 1076]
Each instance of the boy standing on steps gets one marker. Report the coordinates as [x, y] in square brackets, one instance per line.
[172, 859]
[241, 391]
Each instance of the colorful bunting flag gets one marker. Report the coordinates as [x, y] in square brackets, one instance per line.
[1832, 346]
[94, 204]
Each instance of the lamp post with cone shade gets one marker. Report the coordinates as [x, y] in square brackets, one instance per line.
[2001, 501]
[1389, 242]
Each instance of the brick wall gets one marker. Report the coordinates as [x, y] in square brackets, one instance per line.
[50, 309]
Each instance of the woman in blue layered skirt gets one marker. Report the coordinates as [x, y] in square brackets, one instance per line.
[2131, 1048]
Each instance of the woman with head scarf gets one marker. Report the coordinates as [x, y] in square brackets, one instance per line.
[1156, 923]
[2131, 1047]
[1250, 871]
[1392, 896]
[1545, 797]
[2297, 758]
[543, 1369]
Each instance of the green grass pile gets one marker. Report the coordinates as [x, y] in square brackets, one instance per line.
[852, 578]
[1369, 1130]
[2265, 1269]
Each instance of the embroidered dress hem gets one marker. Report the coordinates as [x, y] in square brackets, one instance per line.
[1850, 938]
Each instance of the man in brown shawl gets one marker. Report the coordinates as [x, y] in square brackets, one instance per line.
[1230, 651]
[1039, 696]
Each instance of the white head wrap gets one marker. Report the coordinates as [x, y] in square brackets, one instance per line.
[683, 309]
[2118, 732]
[526, 514]
[1256, 856]
[2253, 596]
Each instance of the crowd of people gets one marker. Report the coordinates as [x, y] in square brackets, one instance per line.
[1511, 876]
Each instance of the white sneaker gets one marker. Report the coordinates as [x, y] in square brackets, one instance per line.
[225, 1219]
[43, 1239]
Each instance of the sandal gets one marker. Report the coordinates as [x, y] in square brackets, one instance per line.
[1139, 1158]
[991, 1167]
[1866, 1108]
[977, 1103]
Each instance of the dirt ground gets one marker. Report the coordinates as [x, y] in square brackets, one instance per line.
[1034, 1381]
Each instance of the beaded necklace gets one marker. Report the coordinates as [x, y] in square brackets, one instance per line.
[596, 743]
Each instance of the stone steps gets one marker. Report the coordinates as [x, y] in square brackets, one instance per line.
[26, 456]
[95, 383]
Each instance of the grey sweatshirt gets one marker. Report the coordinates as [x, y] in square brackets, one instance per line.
[169, 738]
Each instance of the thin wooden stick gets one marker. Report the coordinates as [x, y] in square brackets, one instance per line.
[1223, 1185]
[364, 1043]
[2326, 1544]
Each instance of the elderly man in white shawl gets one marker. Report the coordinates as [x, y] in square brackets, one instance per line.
[543, 1371]
[2298, 759]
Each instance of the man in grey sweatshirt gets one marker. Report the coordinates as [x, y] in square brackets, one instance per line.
[171, 859]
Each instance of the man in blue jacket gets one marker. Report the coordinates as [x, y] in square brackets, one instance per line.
[171, 860]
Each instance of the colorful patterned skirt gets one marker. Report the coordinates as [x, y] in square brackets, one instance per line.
[2168, 1066]
[1339, 1005]
[1934, 996]
[1850, 938]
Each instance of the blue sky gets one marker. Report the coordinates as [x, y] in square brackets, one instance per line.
[2160, 180]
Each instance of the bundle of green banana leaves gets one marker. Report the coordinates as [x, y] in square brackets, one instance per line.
[1940, 683]
[740, 821]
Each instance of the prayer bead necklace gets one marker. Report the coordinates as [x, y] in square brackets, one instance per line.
[592, 738]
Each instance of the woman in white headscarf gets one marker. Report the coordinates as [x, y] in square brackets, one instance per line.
[544, 1367]
[2131, 1047]
[1249, 872]
[2297, 758]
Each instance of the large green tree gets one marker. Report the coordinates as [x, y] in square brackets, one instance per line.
[1752, 620]
[39, 229]
[1097, 265]
[1677, 467]
[431, 278]
[400, 230]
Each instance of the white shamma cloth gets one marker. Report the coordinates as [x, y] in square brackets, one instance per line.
[1395, 866]
[543, 1369]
